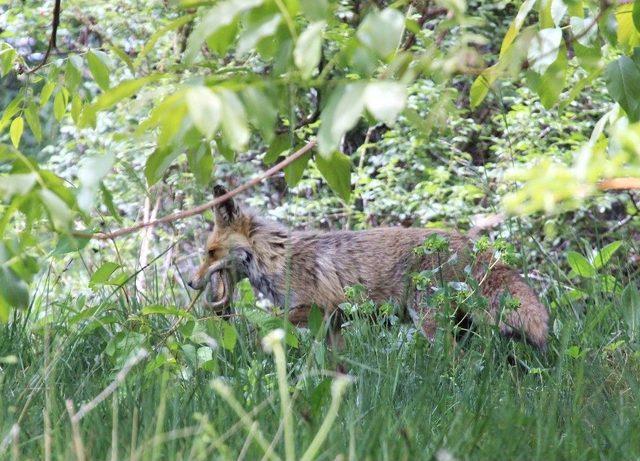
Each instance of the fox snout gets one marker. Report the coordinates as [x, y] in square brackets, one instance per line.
[202, 275]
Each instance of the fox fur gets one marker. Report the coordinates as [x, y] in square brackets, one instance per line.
[300, 269]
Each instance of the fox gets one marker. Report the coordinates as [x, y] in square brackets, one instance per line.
[301, 269]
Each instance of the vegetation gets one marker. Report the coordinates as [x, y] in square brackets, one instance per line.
[419, 113]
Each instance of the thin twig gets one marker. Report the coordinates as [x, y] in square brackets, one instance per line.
[202, 208]
[52, 39]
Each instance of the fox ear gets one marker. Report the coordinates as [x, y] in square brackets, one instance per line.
[226, 212]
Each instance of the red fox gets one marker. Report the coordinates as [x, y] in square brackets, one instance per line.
[300, 269]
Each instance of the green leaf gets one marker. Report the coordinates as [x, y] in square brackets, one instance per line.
[162, 310]
[516, 25]
[586, 29]
[103, 274]
[254, 33]
[33, 120]
[315, 10]
[602, 257]
[549, 85]
[261, 110]
[385, 100]
[98, 67]
[627, 34]
[7, 57]
[107, 198]
[341, 114]
[308, 50]
[229, 336]
[59, 105]
[69, 244]
[46, 92]
[381, 31]
[623, 82]
[221, 15]
[13, 290]
[205, 110]
[90, 173]
[17, 183]
[72, 73]
[558, 10]
[543, 49]
[580, 265]
[293, 172]
[636, 14]
[279, 146]
[482, 84]
[234, 121]
[15, 131]
[123, 90]
[12, 109]
[201, 163]
[59, 212]
[158, 162]
[336, 170]
[76, 108]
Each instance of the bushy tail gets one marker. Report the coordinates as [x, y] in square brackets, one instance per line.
[527, 317]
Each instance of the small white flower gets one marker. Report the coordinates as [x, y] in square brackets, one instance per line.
[273, 337]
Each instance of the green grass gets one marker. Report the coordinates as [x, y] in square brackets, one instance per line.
[484, 398]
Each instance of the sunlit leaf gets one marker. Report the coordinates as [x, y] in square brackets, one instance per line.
[261, 111]
[602, 257]
[90, 173]
[254, 33]
[58, 210]
[580, 265]
[33, 120]
[381, 31]
[543, 49]
[123, 90]
[97, 62]
[59, 105]
[482, 84]
[308, 50]
[234, 120]
[516, 25]
[342, 112]
[103, 274]
[550, 84]
[17, 183]
[385, 100]
[205, 110]
[221, 15]
[15, 131]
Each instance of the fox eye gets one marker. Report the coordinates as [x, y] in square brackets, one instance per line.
[212, 253]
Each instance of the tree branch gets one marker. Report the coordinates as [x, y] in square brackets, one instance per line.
[619, 184]
[202, 208]
[52, 38]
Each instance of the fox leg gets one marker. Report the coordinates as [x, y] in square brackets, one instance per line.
[528, 319]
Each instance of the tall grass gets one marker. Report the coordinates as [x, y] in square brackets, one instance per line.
[482, 398]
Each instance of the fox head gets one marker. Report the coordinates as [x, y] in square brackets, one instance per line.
[227, 250]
